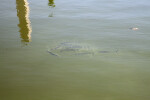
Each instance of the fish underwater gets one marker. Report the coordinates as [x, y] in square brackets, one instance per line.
[76, 49]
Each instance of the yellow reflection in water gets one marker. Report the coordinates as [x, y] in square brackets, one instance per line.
[51, 3]
[24, 22]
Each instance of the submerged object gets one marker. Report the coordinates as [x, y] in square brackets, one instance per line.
[76, 49]
[52, 53]
[134, 28]
[70, 49]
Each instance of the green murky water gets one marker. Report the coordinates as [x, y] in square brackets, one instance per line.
[74, 50]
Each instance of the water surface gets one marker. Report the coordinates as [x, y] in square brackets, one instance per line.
[106, 60]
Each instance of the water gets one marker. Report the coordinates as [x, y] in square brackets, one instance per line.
[106, 60]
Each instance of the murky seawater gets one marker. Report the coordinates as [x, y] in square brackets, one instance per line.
[74, 50]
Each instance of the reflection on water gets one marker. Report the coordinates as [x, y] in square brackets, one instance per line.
[51, 4]
[24, 22]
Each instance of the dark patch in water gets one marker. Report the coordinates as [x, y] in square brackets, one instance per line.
[84, 53]
[104, 52]
[68, 49]
[52, 53]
